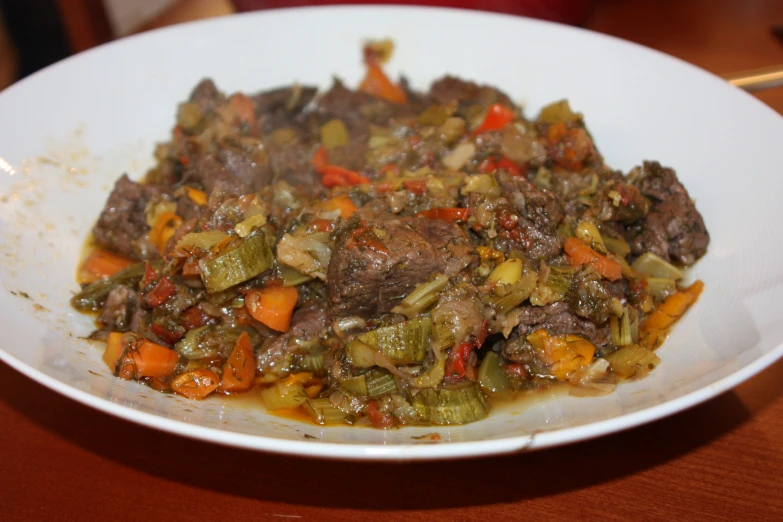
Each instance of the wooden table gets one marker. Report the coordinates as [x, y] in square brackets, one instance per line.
[722, 460]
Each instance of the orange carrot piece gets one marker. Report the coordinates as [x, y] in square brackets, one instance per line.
[101, 264]
[672, 308]
[163, 229]
[147, 359]
[113, 352]
[376, 83]
[272, 306]
[240, 369]
[314, 390]
[196, 384]
[342, 203]
[199, 197]
[245, 110]
[581, 254]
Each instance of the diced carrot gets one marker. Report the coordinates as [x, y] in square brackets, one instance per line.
[272, 306]
[314, 390]
[320, 159]
[672, 308]
[296, 378]
[417, 186]
[342, 203]
[580, 254]
[240, 368]
[376, 83]
[333, 175]
[165, 226]
[147, 359]
[199, 197]
[446, 214]
[101, 264]
[245, 111]
[498, 116]
[113, 352]
[196, 384]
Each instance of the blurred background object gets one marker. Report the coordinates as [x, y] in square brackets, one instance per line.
[722, 36]
[7, 56]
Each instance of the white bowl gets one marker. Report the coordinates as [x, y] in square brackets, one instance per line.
[69, 131]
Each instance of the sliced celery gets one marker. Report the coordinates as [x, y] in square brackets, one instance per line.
[451, 405]
[292, 277]
[434, 375]
[650, 265]
[660, 288]
[283, 396]
[356, 385]
[310, 363]
[202, 240]
[555, 287]
[359, 354]
[491, 376]
[508, 297]
[617, 246]
[322, 411]
[379, 381]
[422, 297]
[251, 257]
[632, 360]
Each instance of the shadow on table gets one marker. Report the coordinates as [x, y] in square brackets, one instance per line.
[381, 486]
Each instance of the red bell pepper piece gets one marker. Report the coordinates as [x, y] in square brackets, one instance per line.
[497, 117]
[455, 215]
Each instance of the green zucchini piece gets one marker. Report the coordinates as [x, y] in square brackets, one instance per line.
[245, 261]
[401, 343]
[491, 376]
[451, 405]
[323, 412]
[371, 384]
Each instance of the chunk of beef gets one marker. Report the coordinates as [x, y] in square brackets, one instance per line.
[215, 178]
[251, 169]
[206, 96]
[279, 108]
[618, 200]
[358, 110]
[557, 319]
[306, 326]
[374, 267]
[538, 214]
[452, 89]
[118, 310]
[291, 162]
[122, 225]
[673, 228]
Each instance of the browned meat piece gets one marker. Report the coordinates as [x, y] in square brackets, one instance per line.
[279, 108]
[538, 214]
[306, 325]
[206, 96]
[673, 229]
[251, 169]
[214, 177]
[451, 89]
[373, 267]
[122, 225]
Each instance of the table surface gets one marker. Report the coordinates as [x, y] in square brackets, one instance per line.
[722, 460]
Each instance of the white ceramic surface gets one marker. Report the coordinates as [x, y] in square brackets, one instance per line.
[68, 132]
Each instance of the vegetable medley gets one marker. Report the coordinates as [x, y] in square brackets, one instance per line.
[386, 257]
